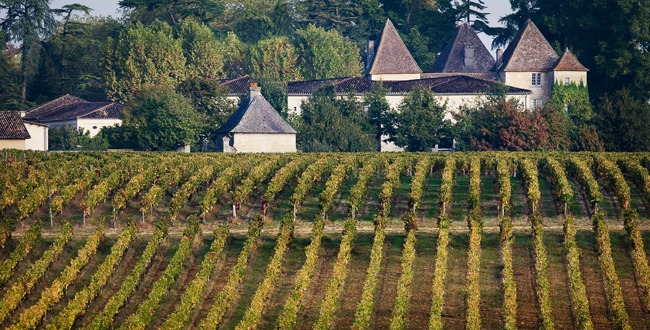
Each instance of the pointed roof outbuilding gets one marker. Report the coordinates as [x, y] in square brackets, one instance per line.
[391, 55]
[568, 62]
[256, 115]
[456, 56]
[529, 51]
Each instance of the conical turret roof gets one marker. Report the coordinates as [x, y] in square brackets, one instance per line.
[452, 57]
[529, 51]
[391, 54]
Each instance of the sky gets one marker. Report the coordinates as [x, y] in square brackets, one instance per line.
[495, 8]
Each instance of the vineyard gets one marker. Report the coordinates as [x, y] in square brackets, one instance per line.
[324, 241]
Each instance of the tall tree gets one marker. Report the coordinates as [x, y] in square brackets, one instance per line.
[379, 112]
[326, 54]
[10, 98]
[144, 56]
[340, 15]
[157, 119]
[471, 12]
[330, 123]
[420, 123]
[69, 27]
[254, 20]
[27, 22]
[173, 11]
[275, 59]
[203, 51]
[623, 122]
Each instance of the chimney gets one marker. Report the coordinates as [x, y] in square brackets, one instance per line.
[370, 53]
[499, 55]
[255, 90]
[469, 56]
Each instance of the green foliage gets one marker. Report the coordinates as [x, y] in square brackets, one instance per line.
[204, 54]
[334, 124]
[326, 54]
[379, 112]
[143, 56]
[172, 11]
[255, 20]
[10, 98]
[420, 123]
[70, 138]
[622, 122]
[157, 119]
[275, 59]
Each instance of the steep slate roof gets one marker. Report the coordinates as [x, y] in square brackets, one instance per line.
[529, 51]
[12, 126]
[391, 54]
[236, 85]
[68, 108]
[451, 84]
[451, 59]
[568, 62]
[256, 115]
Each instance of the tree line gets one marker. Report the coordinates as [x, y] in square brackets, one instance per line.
[178, 49]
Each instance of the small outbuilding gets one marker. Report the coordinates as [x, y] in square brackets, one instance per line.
[256, 127]
[15, 133]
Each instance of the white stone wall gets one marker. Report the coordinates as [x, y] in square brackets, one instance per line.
[524, 80]
[13, 144]
[395, 77]
[39, 137]
[264, 142]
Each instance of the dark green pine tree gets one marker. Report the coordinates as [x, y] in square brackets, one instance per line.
[27, 22]
[471, 12]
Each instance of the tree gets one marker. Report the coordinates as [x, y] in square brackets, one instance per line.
[332, 124]
[500, 124]
[339, 15]
[204, 53]
[79, 69]
[10, 97]
[71, 138]
[255, 20]
[471, 12]
[326, 54]
[69, 27]
[622, 120]
[420, 121]
[173, 11]
[274, 59]
[157, 119]
[209, 100]
[141, 56]
[379, 112]
[27, 22]
[235, 56]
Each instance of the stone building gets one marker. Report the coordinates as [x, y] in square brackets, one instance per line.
[256, 127]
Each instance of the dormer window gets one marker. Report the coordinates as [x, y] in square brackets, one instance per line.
[536, 79]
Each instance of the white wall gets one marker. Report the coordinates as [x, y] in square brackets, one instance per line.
[395, 77]
[264, 142]
[91, 125]
[575, 76]
[39, 137]
[12, 144]
[524, 80]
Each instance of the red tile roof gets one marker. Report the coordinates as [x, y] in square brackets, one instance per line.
[391, 54]
[529, 51]
[12, 126]
[568, 62]
[68, 108]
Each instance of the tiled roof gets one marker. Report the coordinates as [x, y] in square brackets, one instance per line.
[236, 85]
[529, 51]
[68, 108]
[452, 57]
[256, 115]
[391, 54]
[568, 62]
[449, 84]
[12, 126]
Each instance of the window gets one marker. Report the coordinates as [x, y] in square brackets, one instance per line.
[537, 103]
[94, 127]
[567, 80]
[536, 79]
